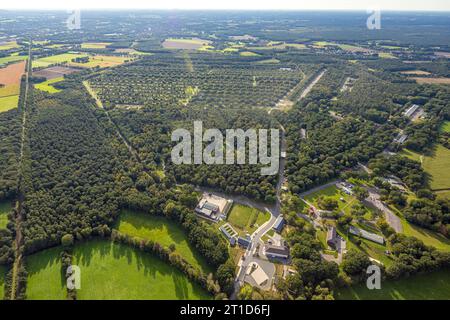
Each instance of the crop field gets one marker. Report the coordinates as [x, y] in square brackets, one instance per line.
[56, 59]
[434, 286]
[11, 58]
[101, 61]
[432, 80]
[246, 219]
[8, 103]
[114, 271]
[95, 45]
[47, 85]
[5, 208]
[8, 45]
[163, 231]
[435, 164]
[185, 44]
[222, 81]
[3, 271]
[54, 72]
[11, 74]
[45, 277]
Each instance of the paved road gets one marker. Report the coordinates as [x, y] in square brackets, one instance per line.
[374, 201]
[312, 84]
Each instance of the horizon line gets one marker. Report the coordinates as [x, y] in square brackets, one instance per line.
[226, 9]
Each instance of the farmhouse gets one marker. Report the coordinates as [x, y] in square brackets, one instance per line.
[272, 251]
[213, 207]
[279, 224]
[332, 237]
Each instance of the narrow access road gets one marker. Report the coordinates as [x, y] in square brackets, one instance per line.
[391, 218]
[312, 84]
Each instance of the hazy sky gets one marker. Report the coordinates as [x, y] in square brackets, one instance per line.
[230, 4]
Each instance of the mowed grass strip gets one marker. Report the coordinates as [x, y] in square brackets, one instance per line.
[45, 277]
[445, 127]
[163, 231]
[434, 286]
[5, 208]
[111, 271]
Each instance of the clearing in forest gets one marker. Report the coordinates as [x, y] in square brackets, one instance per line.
[246, 219]
[163, 231]
[113, 271]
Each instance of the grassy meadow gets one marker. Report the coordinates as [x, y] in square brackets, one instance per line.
[56, 59]
[436, 164]
[163, 231]
[47, 85]
[246, 219]
[112, 271]
[434, 286]
[5, 208]
[8, 103]
[45, 278]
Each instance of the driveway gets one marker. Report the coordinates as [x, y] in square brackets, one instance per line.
[374, 201]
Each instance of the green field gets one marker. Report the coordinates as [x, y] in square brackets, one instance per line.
[45, 278]
[8, 103]
[435, 286]
[445, 127]
[11, 58]
[9, 45]
[335, 193]
[248, 54]
[95, 45]
[3, 271]
[56, 59]
[5, 208]
[163, 231]
[428, 237]
[47, 85]
[115, 272]
[246, 219]
[436, 164]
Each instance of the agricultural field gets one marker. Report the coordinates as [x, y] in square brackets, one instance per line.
[186, 44]
[5, 208]
[11, 58]
[3, 271]
[420, 80]
[248, 54]
[101, 61]
[54, 72]
[56, 59]
[10, 77]
[47, 85]
[45, 277]
[8, 103]
[95, 45]
[163, 231]
[245, 219]
[114, 271]
[8, 45]
[435, 164]
[434, 286]
[222, 81]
